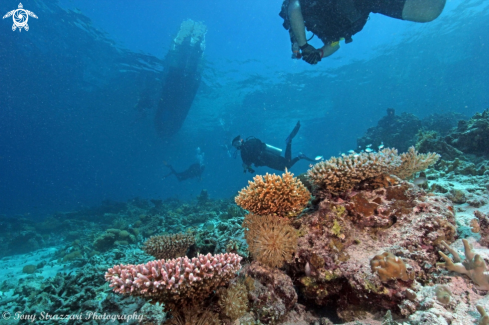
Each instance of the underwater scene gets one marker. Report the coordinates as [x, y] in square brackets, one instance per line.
[310, 162]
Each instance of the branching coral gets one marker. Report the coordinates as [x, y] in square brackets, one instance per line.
[168, 246]
[473, 265]
[272, 194]
[176, 282]
[343, 173]
[234, 301]
[389, 267]
[271, 240]
[413, 162]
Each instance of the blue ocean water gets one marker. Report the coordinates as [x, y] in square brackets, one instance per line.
[70, 135]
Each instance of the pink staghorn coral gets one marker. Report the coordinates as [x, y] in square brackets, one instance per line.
[177, 281]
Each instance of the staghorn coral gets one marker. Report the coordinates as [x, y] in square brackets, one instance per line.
[271, 240]
[175, 282]
[343, 173]
[389, 267]
[234, 301]
[168, 246]
[473, 265]
[272, 194]
[413, 162]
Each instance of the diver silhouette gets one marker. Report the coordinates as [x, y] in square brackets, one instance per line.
[194, 171]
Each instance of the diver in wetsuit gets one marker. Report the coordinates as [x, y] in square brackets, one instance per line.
[254, 151]
[194, 171]
[333, 20]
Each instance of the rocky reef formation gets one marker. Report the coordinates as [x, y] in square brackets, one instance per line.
[394, 131]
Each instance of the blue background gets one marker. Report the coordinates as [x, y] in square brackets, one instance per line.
[70, 136]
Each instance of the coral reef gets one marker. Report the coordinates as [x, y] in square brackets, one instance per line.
[341, 174]
[482, 227]
[413, 162]
[271, 240]
[234, 301]
[193, 315]
[471, 136]
[273, 296]
[175, 282]
[272, 194]
[401, 220]
[168, 246]
[395, 131]
[389, 267]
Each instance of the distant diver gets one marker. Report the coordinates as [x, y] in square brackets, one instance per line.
[254, 151]
[335, 20]
[194, 171]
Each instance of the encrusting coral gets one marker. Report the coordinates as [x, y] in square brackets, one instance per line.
[272, 194]
[168, 246]
[389, 267]
[340, 174]
[473, 265]
[271, 240]
[175, 282]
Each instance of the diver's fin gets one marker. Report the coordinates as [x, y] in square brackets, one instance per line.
[293, 133]
[303, 156]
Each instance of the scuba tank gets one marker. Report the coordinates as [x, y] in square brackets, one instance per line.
[273, 150]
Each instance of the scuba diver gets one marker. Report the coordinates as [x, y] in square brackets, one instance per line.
[194, 171]
[335, 20]
[254, 151]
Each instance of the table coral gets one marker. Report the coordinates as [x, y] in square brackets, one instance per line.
[272, 194]
[340, 174]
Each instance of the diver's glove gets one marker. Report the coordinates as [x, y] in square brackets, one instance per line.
[310, 54]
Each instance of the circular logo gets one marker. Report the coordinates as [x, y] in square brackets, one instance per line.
[20, 18]
[6, 315]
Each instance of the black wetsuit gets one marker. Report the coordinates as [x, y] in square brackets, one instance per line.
[254, 151]
[194, 171]
[331, 20]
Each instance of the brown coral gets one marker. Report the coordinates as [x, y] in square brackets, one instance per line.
[193, 315]
[168, 246]
[272, 194]
[389, 267]
[413, 162]
[271, 240]
[234, 301]
[343, 173]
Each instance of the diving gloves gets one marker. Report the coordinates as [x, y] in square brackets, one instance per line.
[310, 54]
